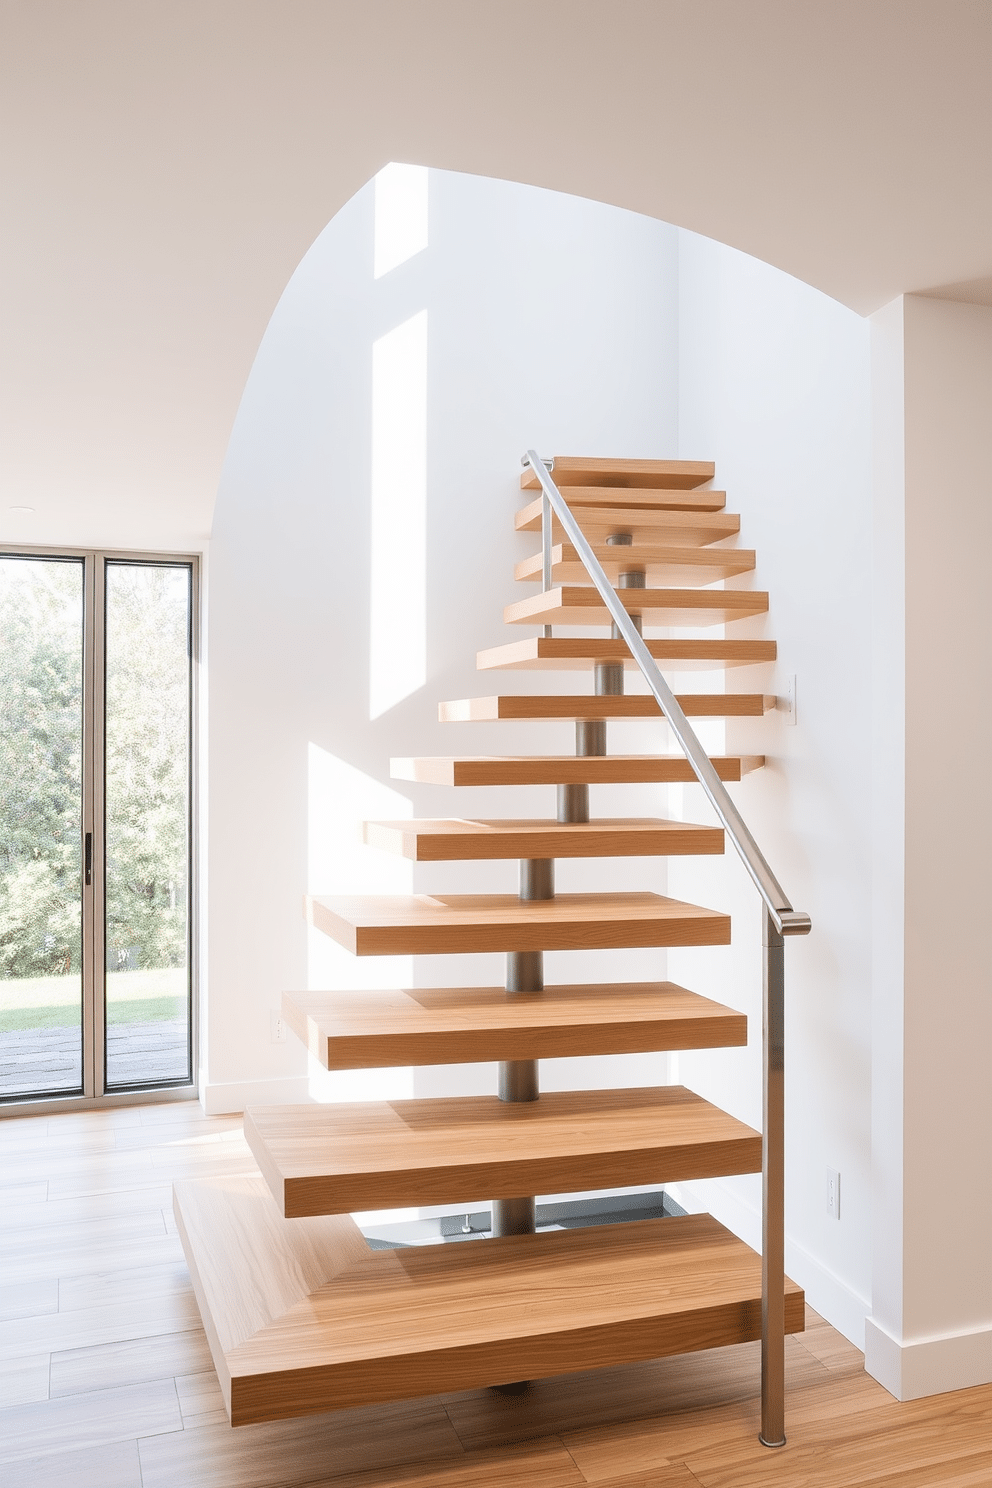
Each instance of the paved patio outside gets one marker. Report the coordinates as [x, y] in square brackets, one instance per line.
[46, 1061]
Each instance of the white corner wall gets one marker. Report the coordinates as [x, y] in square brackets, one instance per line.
[552, 322]
[774, 385]
[931, 1323]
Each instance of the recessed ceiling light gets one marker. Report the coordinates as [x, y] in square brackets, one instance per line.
[20, 508]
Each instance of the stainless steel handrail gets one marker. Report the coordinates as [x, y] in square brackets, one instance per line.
[780, 920]
[787, 921]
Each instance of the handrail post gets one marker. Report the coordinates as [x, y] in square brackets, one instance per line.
[545, 547]
[773, 1188]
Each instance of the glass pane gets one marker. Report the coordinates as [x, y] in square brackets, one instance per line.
[147, 824]
[41, 734]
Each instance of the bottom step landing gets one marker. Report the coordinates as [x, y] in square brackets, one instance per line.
[303, 1318]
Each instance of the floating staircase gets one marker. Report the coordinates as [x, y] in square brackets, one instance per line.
[301, 1315]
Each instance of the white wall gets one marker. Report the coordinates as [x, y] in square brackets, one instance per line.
[931, 1324]
[653, 342]
[551, 322]
[774, 385]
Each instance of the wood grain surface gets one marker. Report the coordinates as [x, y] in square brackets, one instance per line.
[663, 564]
[349, 1157]
[578, 470]
[423, 924]
[640, 1425]
[603, 769]
[450, 1317]
[574, 653]
[247, 1268]
[644, 523]
[371, 1029]
[450, 839]
[591, 705]
[581, 605]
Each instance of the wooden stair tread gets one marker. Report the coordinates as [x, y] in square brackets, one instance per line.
[575, 604]
[565, 769]
[352, 1156]
[691, 528]
[665, 475]
[456, 1025]
[662, 564]
[422, 924]
[448, 839]
[313, 1336]
[594, 705]
[575, 653]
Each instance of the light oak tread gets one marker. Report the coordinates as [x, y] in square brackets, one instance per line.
[581, 653]
[566, 769]
[447, 839]
[455, 1025]
[424, 924]
[352, 1156]
[661, 564]
[666, 475]
[593, 705]
[431, 1319]
[575, 604]
[645, 523]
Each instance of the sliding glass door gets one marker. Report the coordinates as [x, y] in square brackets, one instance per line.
[41, 826]
[96, 753]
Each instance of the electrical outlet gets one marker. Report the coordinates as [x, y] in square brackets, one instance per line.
[833, 1193]
[277, 1027]
[787, 701]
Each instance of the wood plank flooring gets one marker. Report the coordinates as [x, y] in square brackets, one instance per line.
[105, 1378]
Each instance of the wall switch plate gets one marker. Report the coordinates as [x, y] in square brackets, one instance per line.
[787, 701]
[833, 1193]
[277, 1027]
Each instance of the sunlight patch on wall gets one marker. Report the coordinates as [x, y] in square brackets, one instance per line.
[398, 622]
[340, 799]
[400, 215]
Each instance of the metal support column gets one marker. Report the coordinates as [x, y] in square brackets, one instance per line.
[631, 578]
[518, 1078]
[773, 1190]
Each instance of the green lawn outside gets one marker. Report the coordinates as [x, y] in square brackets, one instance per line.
[54, 1002]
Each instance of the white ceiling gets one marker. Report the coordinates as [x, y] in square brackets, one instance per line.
[166, 164]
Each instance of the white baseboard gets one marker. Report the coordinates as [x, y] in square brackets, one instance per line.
[230, 1099]
[928, 1366]
[843, 1308]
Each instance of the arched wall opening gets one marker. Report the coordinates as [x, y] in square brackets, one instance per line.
[530, 318]
[533, 318]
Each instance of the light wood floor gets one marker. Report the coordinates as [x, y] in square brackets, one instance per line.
[105, 1377]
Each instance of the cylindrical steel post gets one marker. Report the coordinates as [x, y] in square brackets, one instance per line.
[524, 971]
[537, 878]
[573, 802]
[514, 1216]
[518, 1078]
[590, 736]
[773, 1190]
[633, 578]
[637, 622]
[608, 679]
